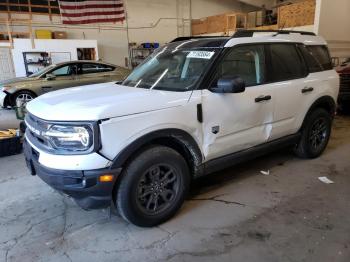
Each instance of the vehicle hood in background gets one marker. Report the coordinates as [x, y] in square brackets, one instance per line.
[101, 101]
[16, 80]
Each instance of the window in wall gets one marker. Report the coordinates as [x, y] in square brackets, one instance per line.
[286, 63]
[246, 62]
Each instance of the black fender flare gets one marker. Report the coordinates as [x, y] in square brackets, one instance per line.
[326, 102]
[167, 137]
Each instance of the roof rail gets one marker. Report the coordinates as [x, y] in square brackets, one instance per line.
[184, 38]
[250, 33]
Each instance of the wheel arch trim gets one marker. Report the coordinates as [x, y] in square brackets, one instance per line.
[174, 135]
[322, 102]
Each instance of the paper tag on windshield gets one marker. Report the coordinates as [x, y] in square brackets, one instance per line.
[200, 54]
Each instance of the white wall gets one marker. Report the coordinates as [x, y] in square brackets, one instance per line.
[54, 45]
[148, 20]
[333, 23]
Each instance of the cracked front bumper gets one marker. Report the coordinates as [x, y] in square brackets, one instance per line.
[83, 186]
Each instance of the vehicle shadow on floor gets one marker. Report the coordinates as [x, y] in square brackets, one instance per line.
[240, 172]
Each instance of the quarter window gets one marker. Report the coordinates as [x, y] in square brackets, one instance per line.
[312, 63]
[246, 62]
[286, 63]
[321, 54]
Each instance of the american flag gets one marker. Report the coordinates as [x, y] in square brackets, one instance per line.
[75, 12]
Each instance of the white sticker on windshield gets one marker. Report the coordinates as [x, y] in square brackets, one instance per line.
[200, 54]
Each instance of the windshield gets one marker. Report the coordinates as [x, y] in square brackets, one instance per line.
[42, 71]
[172, 70]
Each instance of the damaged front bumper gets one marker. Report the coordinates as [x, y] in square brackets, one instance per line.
[83, 186]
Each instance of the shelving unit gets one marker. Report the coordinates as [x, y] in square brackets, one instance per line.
[34, 61]
[138, 54]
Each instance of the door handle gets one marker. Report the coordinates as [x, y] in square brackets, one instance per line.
[307, 90]
[262, 98]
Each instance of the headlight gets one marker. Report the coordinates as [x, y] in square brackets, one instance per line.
[70, 138]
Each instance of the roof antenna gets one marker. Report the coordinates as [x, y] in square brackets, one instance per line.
[281, 28]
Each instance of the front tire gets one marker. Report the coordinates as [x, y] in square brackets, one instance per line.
[153, 186]
[315, 134]
[21, 98]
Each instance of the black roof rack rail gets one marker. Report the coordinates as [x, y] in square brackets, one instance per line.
[184, 38]
[250, 33]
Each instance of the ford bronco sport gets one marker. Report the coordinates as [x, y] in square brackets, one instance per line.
[197, 105]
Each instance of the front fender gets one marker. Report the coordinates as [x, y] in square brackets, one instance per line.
[11, 91]
[171, 134]
[118, 133]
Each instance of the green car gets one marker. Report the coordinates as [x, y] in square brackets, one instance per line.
[18, 91]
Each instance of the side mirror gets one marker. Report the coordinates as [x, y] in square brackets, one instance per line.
[50, 77]
[229, 85]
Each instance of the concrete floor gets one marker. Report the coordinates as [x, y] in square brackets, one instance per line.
[235, 215]
[8, 119]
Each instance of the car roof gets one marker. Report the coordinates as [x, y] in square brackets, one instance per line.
[84, 62]
[273, 37]
[248, 36]
[197, 42]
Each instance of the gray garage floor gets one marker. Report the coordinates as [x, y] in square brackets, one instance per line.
[8, 119]
[235, 215]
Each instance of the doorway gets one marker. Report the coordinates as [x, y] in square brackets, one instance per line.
[6, 64]
[86, 54]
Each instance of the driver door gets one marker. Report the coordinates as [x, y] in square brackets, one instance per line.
[62, 77]
[236, 121]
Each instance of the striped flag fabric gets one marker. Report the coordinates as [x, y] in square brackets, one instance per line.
[76, 12]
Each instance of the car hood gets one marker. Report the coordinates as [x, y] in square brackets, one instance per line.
[101, 101]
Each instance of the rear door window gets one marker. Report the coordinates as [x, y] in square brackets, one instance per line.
[321, 54]
[286, 63]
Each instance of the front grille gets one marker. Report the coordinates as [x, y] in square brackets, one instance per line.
[344, 83]
[35, 129]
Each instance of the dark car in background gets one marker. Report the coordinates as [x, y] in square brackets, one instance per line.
[344, 90]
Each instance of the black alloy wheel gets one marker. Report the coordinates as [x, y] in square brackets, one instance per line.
[315, 134]
[158, 188]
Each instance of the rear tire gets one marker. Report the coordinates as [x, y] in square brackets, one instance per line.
[153, 186]
[315, 134]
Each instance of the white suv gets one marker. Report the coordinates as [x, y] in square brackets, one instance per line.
[195, 106]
